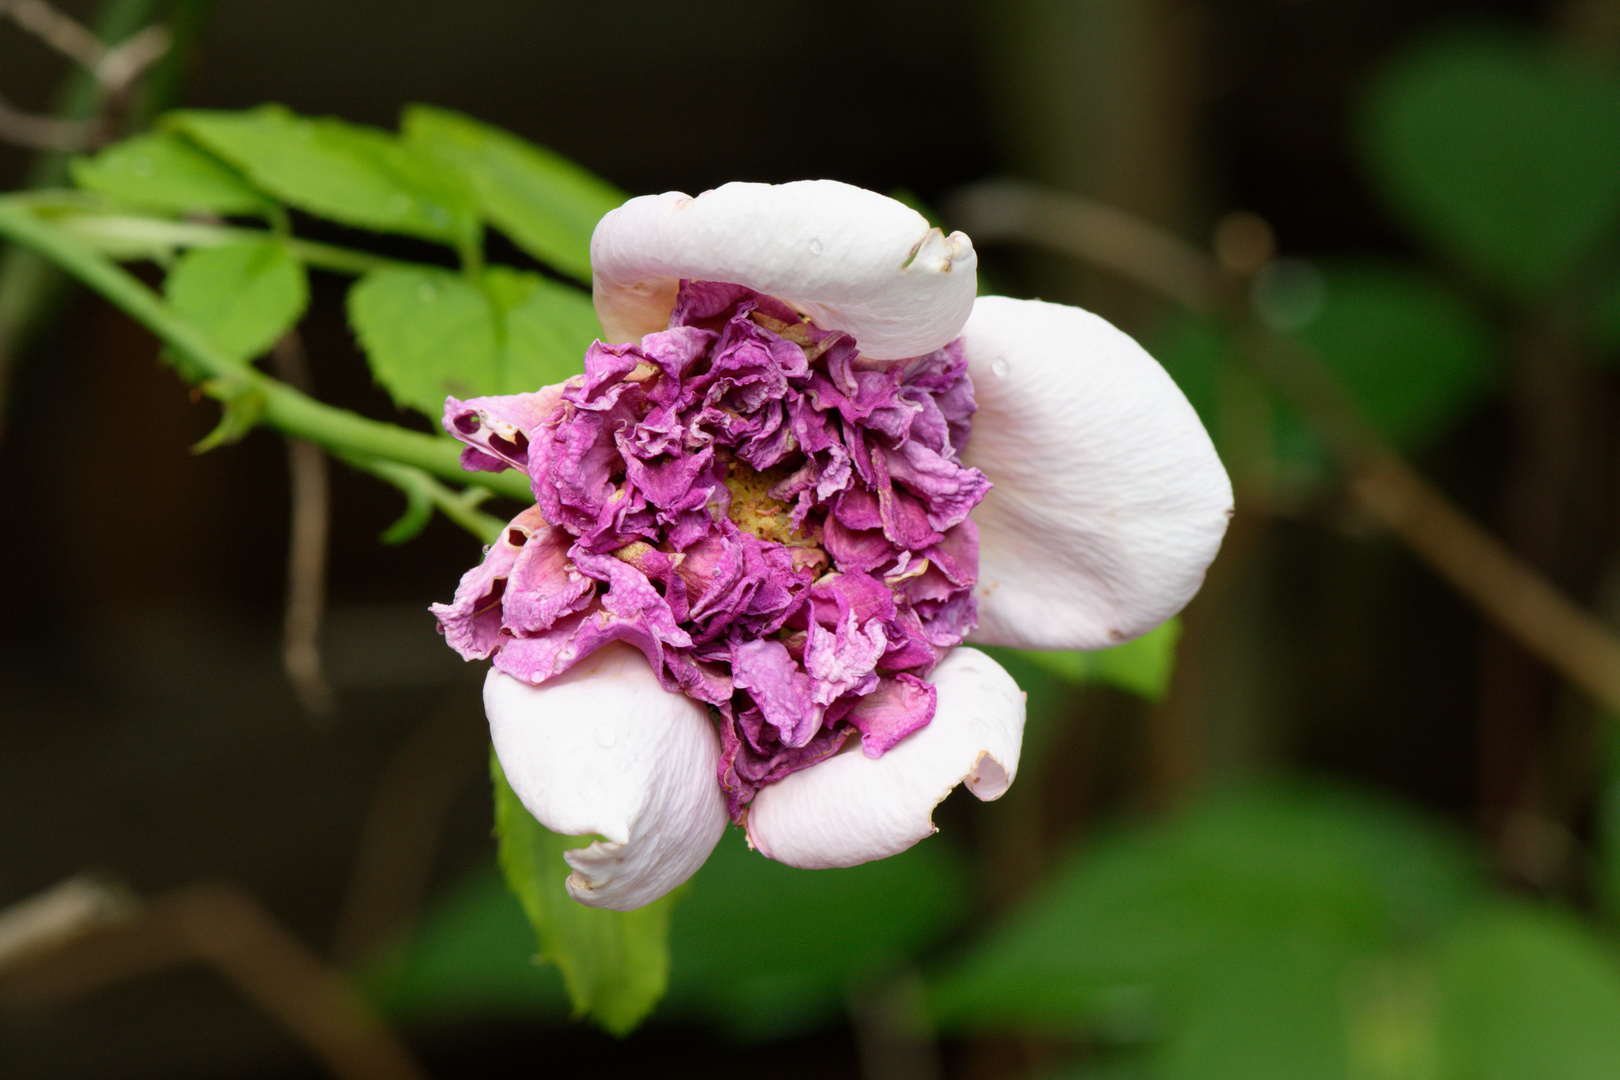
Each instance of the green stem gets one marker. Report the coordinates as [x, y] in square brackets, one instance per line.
[119, 231]
[285, 409]
[459, 507]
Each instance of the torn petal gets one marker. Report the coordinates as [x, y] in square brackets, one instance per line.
[851, 808]
[603, 749]
[1108, 501]
[850, 259]
[497, 430]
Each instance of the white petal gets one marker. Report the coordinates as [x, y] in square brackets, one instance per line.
[849, 258]
[604, 749]
[1109, 501]
[851, 808]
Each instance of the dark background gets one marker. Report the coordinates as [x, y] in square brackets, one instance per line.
[146, 728]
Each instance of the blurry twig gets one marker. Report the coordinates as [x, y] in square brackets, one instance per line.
[226, 928]
[66, 912]
[892, 1035]
[43, 132]
[114, 67]
[29, 286]
[412, 801]
[1459, 549]
[310, 483]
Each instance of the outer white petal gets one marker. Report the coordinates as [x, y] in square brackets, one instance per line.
[851, 808]
[604, 749]
[1109, 501]
[849, 258]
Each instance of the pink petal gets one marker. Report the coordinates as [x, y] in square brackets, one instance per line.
[851, 259]
[1108, 501]
[851, 809]
[603, 749]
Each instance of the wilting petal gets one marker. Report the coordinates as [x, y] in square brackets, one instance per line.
[604, 749]
[851, 259]
[1109, 501]
[851, 808]
[497, 430]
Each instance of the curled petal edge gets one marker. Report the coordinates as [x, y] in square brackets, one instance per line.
[603, 749]
[850, 259]
[1109, 501]
[851, 809]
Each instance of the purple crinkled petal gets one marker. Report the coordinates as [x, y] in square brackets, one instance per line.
[778, 686]
[498, 430]
[472, 622]
[814, 623]
[896, 708]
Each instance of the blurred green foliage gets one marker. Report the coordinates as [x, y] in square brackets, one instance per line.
[1284, 932]
[615, 964]
[1500, 152]
[729, 967]
[1292, 933]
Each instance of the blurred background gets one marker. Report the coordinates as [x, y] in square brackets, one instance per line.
[1355, 816]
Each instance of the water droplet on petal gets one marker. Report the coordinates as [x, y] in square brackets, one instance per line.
[815, 246]
[603, 735]
[999, 368]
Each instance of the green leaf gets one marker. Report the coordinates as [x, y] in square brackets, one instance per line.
[1142, 666]
[1505, 156]
[355, 175]
[244, 407]
[1527, 994]
[470, 957]
[790, 982]
[543, 201]
[243, 296]
[409, 525]
[1261, 898]
[1608, 823]
[471, 954]
[1410, 350]
[429, 333]
[615, 964]
[165, 171]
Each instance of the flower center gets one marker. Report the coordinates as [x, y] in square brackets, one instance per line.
[781, 528]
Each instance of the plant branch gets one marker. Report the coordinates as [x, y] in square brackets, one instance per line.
[280, 406]
[226, 928]
[310, 522]
[43, 132]
[128, 234]
[66, 35]
[459, 507]
[29, 286]
[1459, 549]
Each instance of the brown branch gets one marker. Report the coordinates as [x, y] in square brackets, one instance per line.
[310, 483]
[127, 61]
[76, 907]
[412, 801]
[225, 928]
[1473, 561]
[43, 132]
[56, 29]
